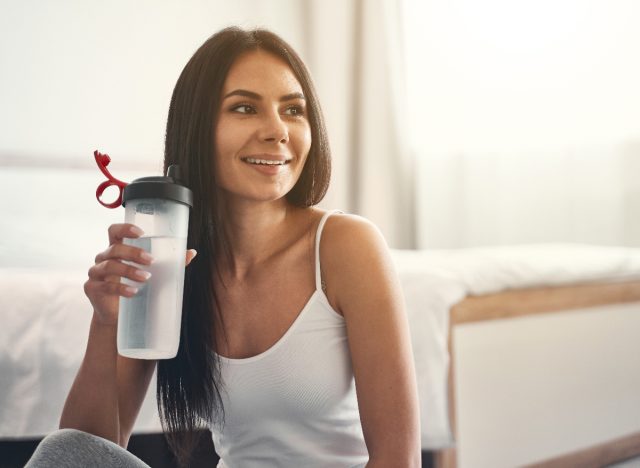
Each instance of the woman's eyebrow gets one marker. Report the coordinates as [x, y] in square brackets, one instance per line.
[257, 97]
[289, 97]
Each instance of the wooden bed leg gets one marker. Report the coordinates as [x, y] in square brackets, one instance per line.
[447, 457]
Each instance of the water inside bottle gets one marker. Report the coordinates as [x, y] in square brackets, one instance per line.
[149, 322]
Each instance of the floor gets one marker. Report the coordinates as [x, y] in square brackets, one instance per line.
[152, 449]
[631, 463]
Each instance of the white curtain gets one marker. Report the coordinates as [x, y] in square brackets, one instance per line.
[383, 167]
[356, 53]
[525, 119]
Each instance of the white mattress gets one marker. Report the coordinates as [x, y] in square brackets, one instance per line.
[46, 319]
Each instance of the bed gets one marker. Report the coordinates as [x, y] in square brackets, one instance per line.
[569, 394]
[463, 307]
[538, 346]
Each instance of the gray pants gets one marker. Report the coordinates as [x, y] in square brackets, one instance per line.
[70, 448]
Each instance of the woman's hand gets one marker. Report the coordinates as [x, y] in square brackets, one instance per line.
[103, 288]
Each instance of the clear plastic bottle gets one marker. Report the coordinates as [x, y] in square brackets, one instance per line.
[149, 322]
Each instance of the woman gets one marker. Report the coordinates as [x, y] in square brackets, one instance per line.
[287, 309]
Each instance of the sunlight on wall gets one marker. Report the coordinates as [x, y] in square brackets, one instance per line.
[525, 121]
[502, 74]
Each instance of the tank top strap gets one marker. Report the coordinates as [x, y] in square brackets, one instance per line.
[319, 282]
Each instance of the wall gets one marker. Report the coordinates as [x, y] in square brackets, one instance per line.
[84, 75]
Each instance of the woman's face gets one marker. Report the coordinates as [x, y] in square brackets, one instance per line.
[263, 135]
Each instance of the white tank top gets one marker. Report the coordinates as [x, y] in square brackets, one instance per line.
[294, 405]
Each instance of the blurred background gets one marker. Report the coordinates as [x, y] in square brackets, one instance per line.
[453, 124]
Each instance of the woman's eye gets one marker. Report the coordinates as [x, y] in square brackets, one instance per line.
[294, 110]
[244, 109]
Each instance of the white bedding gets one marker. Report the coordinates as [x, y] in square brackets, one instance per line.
[46, 319]
[46, 322]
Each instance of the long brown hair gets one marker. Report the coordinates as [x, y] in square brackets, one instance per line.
[189, 386]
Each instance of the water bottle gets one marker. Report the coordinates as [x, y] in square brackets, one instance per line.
[149, 322]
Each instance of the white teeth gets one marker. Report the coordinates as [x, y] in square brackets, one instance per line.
[266, 162]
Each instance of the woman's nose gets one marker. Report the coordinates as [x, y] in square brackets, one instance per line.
[274, 129]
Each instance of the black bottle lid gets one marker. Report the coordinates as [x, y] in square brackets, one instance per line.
[167, 187]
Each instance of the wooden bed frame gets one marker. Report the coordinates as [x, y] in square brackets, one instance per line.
[523, 302]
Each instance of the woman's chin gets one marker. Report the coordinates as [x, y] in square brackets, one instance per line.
[261, 197]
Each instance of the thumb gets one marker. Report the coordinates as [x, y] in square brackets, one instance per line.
[191, 254]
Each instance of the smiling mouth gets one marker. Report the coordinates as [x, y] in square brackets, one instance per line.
[265, 162]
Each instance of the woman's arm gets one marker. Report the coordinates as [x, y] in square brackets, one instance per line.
[108, 390]
[362, 285]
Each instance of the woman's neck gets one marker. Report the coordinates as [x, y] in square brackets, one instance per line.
[256, 232]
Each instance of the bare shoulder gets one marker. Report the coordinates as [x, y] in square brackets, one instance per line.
[355, 259]
[350, 238]
[345, 232]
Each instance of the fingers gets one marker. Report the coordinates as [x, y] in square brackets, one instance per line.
[191, 254]
[110, 264]
[112, 271]
[105, 276]
[125, 252]
[117, 232]
[94, 288]
[118, 261]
